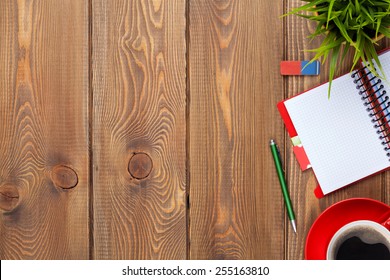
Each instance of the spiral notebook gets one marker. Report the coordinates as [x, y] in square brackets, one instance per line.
[346, 137]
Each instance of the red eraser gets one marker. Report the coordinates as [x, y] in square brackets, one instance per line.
[304, 67]
[290, 68]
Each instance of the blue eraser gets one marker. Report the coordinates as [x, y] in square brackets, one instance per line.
[308, 68]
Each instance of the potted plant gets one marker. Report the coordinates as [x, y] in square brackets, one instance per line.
[345, 24]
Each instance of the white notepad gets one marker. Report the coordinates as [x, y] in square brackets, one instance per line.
[340, 138]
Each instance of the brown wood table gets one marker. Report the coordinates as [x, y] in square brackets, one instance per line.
[137, 129]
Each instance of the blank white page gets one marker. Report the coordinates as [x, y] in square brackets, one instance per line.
[337, 134]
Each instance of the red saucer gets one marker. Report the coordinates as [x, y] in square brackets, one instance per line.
[335, 217]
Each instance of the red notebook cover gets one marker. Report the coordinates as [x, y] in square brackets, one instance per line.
[299, 151]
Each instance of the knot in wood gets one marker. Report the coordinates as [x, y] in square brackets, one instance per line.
[140, 166]
[64, 177]
[9, 197]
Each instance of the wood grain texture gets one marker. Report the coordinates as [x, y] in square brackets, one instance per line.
[139, 88]
[155, 135]
[302, 184]
[44, 124]
[236, 209]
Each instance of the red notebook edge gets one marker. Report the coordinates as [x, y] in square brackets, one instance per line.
[287, 120]
[299, 153]
[318, 192]
[298, 149]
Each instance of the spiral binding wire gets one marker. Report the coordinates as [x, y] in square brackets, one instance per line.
[376, 101]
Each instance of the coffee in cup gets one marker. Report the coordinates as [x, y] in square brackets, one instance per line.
[360, 240]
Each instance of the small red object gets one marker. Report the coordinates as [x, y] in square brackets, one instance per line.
[301, 157]
[304, 67]
[290, 68]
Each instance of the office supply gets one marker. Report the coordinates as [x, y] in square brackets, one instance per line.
[283, 184]
[338, 215]
[300, 67]
[347, 137]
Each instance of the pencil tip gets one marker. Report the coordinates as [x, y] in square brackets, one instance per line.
[294, 226]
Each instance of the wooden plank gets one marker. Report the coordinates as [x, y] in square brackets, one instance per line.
[236, 209]
[44, 130]
[139, 129]
[302, 184]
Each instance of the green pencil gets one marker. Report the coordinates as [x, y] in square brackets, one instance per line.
[283, 184]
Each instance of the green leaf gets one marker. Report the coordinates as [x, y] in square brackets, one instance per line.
[330, 11]
[342, 30]
[357, 6]
[332, 66]
[303, 8]
[372, 55]
[367, 14]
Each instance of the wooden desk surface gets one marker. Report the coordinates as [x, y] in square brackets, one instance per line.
[140, 130]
